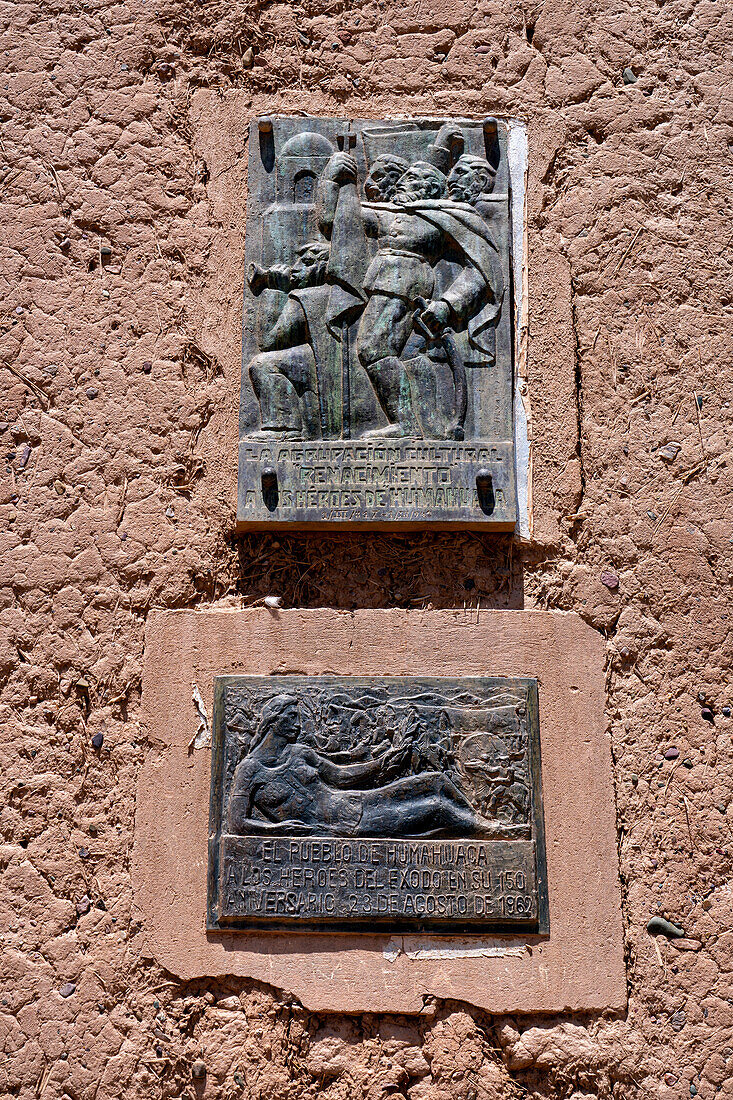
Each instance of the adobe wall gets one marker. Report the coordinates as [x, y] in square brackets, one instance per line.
[123, 212]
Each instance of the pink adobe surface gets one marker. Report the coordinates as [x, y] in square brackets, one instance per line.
[123, 127]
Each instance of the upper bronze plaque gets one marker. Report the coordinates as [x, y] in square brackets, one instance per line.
[376, 803]
[377, 353]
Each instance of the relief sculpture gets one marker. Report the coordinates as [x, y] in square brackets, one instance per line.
[386, 761]
[378, 320]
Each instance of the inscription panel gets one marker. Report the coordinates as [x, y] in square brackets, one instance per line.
[378, 312]
[359, 803]
[402, 483]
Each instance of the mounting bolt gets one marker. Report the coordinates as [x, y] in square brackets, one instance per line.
[264, 125]
[270, 493]
[485, 490]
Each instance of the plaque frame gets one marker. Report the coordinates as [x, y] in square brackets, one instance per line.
[333, 471]
[219, 922]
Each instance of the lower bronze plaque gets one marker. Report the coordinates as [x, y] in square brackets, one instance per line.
[367, 802]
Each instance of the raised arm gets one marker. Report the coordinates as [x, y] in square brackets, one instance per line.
[340, 170]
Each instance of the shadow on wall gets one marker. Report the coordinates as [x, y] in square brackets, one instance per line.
[374, 570]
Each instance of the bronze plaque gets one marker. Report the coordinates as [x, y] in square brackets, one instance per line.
[376, 803]
[377, 369]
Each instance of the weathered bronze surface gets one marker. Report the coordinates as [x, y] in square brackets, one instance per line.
[364, 803]
[377, 350]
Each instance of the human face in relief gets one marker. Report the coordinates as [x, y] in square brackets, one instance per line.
[416, 184]
[466, 183]
[380, 184]
[286, 725]
[304, 271]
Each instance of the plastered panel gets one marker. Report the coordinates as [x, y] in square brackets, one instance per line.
[579, 966]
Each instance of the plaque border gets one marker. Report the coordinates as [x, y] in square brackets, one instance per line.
[502, 519]
[535, 928]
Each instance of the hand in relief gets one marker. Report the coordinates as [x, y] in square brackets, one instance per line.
[436, 317]
[397, 757]
[341, 169]
[256, 278]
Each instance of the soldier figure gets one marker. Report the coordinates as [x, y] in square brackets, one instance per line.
[285, 373]
[415, 230]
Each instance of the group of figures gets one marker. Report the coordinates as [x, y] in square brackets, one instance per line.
[386, 759]
[405, 266]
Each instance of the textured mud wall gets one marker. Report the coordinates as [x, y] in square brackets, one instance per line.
[121, 259]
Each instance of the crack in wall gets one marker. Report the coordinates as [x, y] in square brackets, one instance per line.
[578, 393]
